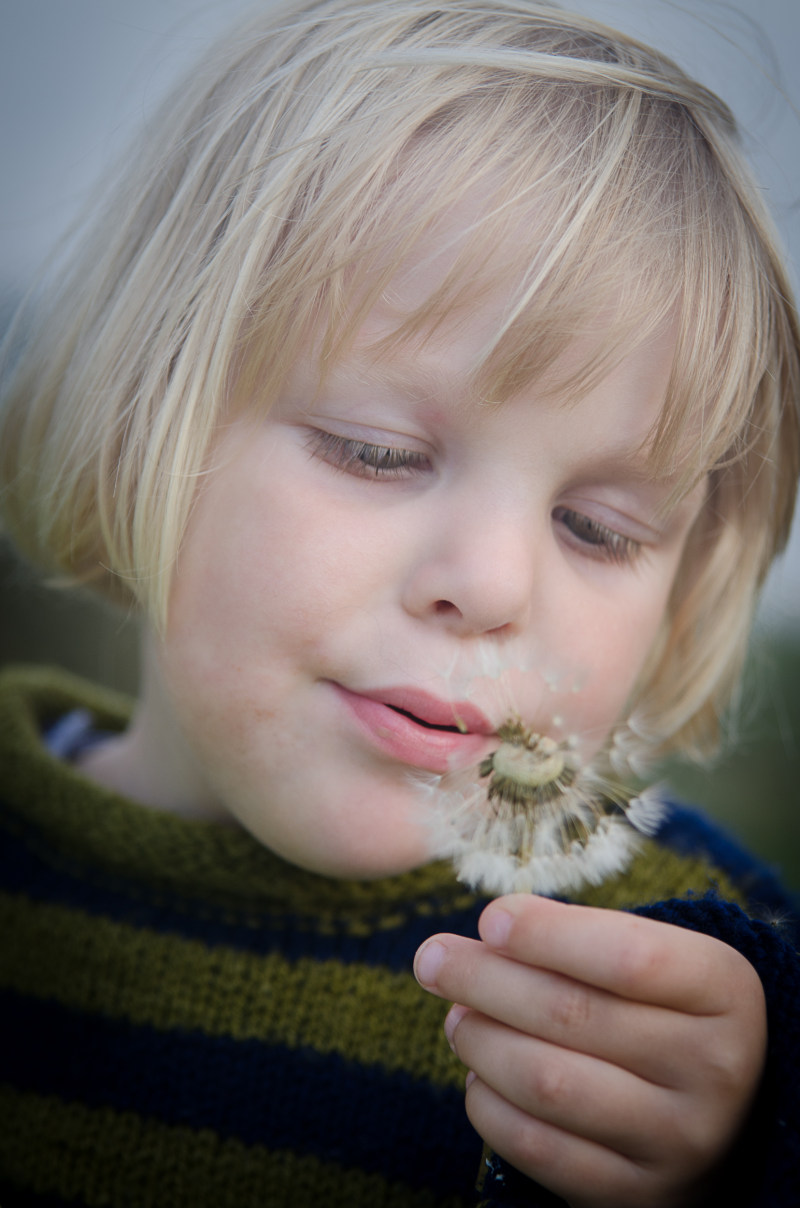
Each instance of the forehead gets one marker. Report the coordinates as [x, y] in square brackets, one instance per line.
[485, 274]
[440, 363]
[442, 326]
[492, 279]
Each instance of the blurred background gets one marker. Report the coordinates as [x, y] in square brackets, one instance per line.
[77, 76]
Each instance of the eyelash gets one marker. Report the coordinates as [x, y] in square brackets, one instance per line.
[364, 460]
[599, 540]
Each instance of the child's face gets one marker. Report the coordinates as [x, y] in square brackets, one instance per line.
[350, 550]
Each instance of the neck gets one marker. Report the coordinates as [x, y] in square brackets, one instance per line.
[151, 762]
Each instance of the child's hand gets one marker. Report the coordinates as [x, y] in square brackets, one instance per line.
[613, 1058]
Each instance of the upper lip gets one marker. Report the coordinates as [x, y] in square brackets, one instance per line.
[422, 705]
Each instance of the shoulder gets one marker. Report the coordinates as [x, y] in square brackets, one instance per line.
[688, 832]
[691, 858]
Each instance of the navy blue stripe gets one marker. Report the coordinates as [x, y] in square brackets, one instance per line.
[386, 1123]
[23, 871]
[688, 832]
[15, 1197]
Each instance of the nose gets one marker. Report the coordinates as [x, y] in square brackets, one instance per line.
[476, 569]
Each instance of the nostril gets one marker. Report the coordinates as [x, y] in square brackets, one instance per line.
[444, 607]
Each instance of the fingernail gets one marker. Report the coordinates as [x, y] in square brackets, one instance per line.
[496, 926]
[429, 962]
[470, 1078]
[454, 1017]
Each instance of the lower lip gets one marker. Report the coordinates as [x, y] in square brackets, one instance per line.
[407, 741]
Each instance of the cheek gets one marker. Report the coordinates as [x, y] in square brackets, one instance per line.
[609, 656]
[269, 579]
[252, 569]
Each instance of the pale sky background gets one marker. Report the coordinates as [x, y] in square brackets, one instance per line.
[76, 76]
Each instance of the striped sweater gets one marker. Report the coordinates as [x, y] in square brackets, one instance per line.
[186, 1020]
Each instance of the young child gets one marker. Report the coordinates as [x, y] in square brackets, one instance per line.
[431, 370]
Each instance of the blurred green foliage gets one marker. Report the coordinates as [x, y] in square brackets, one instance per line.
[45, 624]
[754, 788]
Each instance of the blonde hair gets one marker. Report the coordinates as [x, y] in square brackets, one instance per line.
[273, 198]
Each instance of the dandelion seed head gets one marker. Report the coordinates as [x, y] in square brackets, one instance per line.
[532, 816]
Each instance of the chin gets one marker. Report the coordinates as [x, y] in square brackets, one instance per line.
[360, 866]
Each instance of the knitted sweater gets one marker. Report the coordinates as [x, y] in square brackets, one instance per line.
[188, 1021]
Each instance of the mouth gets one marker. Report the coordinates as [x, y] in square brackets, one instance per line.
[429, 725]
[418, 729]
[432, 713]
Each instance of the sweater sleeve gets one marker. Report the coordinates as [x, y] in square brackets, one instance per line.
[764, 1171]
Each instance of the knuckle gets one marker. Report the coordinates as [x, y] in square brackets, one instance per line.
[692, 1139]
[727, 1063]
[638, 962]
[571, 1006]
[550, 1087]
[532, 1148]
[732, 1083]
[535, 1149]
[522, 1139]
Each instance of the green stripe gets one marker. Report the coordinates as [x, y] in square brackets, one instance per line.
[95, 964]
[99, 965]
[659, 873]
[118, 1160]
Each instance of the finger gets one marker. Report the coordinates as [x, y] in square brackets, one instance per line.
[572, 1091]
[640, 959]
[580, 1171]
[651, 1042]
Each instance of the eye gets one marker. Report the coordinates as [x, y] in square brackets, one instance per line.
[597, 539]
[365, 460]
